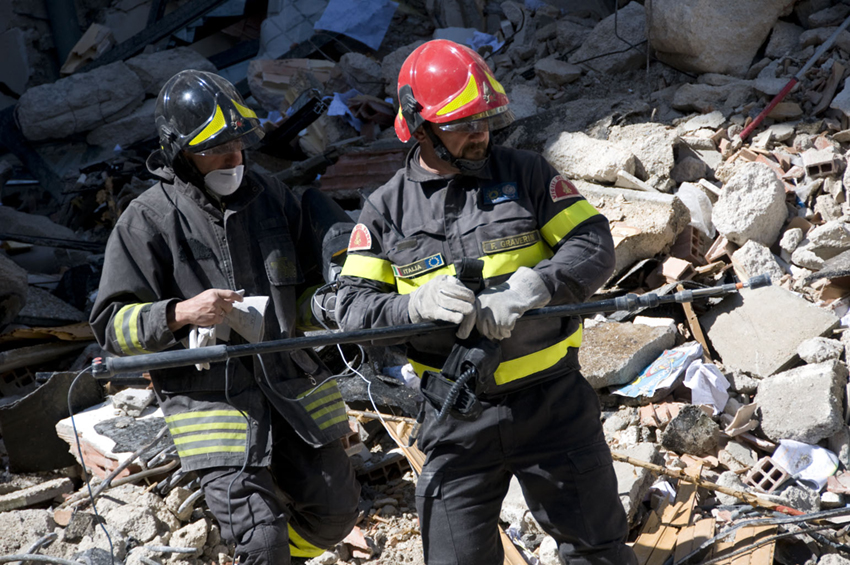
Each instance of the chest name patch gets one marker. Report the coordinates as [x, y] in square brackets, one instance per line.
[561, 189]
[510, 242]
[500, 193]
[419, 267]
[361, 239]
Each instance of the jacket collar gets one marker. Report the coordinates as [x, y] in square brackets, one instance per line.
[414, 172]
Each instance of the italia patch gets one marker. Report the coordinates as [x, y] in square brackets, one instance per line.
[500, 193]
[561, 189]
[361, 239]
[510, 242]
[419, 267]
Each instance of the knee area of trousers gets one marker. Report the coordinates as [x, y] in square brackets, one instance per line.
[262, 538]
[327, 531]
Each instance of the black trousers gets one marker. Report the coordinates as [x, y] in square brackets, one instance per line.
[550, 437]
[312, 491]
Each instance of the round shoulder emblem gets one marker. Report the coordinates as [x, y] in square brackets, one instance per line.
[561, 189]
[361, 239]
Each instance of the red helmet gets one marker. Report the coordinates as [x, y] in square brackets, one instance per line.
[443, 82]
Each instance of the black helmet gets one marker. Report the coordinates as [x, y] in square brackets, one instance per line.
[203, 113]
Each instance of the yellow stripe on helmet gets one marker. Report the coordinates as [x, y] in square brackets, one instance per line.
[245, 111]
[467, 95]
[215, 126]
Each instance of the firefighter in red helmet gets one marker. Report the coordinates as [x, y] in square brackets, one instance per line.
[533, 241]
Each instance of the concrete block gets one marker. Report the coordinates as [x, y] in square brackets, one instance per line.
[13, 290]
[841, 102]
[133, 521]
[633, 482]
[818, 387]
[730, 479]
[707, 98]
[362, 73]
[758, 331]
[712, 36]
[757, 259]
[819, 163]
[138, 126]
[784, 38]
[631, 26]
[391, 65]
[79, 102]
[627, 180]
[615, 353]
[751, 206]
[192, 535]
[133, 400]
[833, 559]
[552, 72]
[839, 443]
[154, 69]
[43, 492]
[801, 498]
[689, 169]
[22, 527]
[820, 349]
[644, 224]
[579, 156]
[691, 431]
[651, 143]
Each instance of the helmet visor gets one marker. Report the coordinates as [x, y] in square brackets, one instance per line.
[239, 144]
[479, 123]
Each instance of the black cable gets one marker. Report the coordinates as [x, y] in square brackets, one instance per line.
[453, 393]
[247, 447]
[100, 520]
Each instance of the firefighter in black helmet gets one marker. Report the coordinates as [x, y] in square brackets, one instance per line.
[263, 434]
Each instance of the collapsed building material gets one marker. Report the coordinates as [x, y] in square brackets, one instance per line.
[13, 290]
[33, 495]
[616, 44]
[751, 206]
[578, 156]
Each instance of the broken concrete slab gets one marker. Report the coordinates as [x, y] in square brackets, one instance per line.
[21, 528]
[138, 126]
[391, 65]
[644, 224]
[651, 143]
[362, 73]
[758, 331]
[784, 38]
[756, 259]
[553, 73]
[708, 98]
[631, 27]
[579, 156]
[43, 492]
[751, 206]
[13, 290]
[692, 431]
[133, 401]
[44, 309]
[818, 387]
[615, 353]
[79, 102]
[526, 100]
[633, 482]
[841, 102]
[712, 36]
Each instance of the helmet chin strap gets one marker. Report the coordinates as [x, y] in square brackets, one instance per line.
[465, 166]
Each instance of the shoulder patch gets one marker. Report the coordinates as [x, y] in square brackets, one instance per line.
[561, 189]
[361, 239]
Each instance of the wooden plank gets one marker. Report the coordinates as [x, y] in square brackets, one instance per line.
[692, 537]
[696, 329]
[650, 533]
[744, 537]
[664, 547]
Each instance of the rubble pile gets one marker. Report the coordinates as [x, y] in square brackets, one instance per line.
[675, 119]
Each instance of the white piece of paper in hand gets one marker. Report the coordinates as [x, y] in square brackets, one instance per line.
[247, 317]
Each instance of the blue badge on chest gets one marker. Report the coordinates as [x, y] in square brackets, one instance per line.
[500, 193]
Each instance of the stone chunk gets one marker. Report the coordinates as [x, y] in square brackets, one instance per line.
[708, 98]
[391, 65]
[154, 69]
[553, 72]
[784, 38]
[631, 26]
[633, 482]
[644, 224]
[756, 259]
[79, 102]
[819, 388]
[22, 527]
[133, 400]
[192, 535]
[751, 206]
[712, 36]
[691, 431]
[651, 143]
[362, 73]
[820, 349]
[138, 126]
[13, 290]
[615, 353]
[577, 155]
[758, 331]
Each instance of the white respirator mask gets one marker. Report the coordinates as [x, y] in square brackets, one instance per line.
[224, 182]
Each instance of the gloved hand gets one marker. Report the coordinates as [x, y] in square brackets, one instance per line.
[201, 337]
[498, 308]
[443, 298]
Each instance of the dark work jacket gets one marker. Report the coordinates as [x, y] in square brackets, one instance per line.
[174, 242]
[517, 212]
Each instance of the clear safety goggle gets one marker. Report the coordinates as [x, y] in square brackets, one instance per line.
[234, 146]
[480, 122]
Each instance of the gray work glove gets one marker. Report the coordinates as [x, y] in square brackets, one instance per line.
[443, 298]
[497, 308]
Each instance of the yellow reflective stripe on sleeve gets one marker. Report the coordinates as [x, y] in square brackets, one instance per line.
[246, 112]
[508, 262]
[324, 400]
[134, 328]
[317, 414]
[216, 124]
[515, 369]
[367, 267]
[126, 324]
[206, 437]
[565, 221]
[211, 449]
[118, 328]
[203, 414]
[467, 95]
[299, 547]
[406, 286]
[213, 426]
[332, 421]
